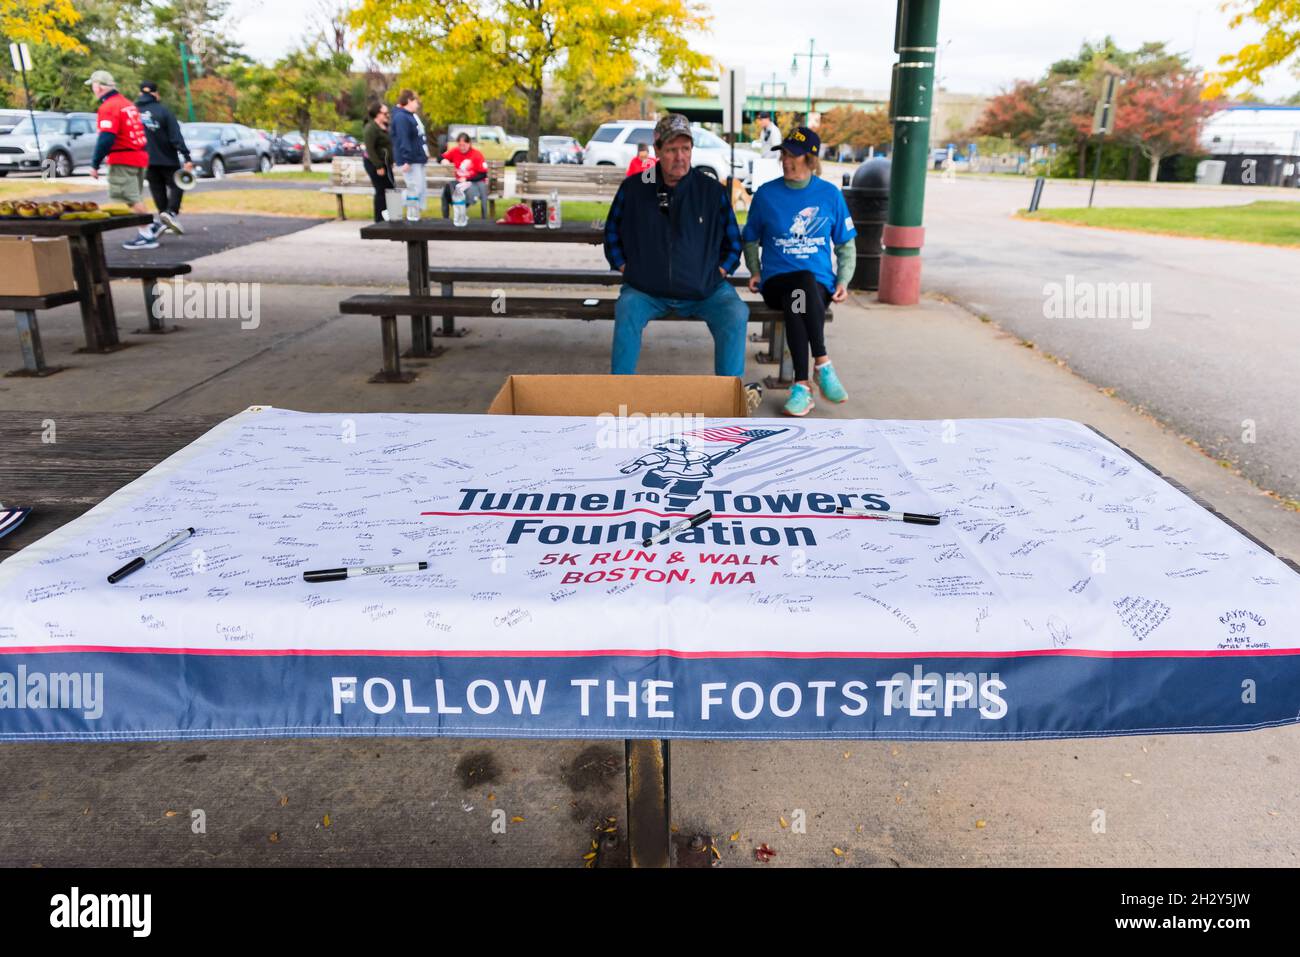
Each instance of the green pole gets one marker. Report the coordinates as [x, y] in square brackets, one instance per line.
[185, 73]
[808, 103]
[915, 36]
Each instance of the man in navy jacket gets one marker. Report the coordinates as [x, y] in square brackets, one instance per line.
[410, 153]
[672, 234]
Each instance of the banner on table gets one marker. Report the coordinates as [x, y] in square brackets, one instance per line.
[1067, 591]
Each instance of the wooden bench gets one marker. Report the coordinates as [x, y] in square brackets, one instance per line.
[348, 178]
[29, 331]
[389, 307]
[569, 180]
[149, 276]
[772, 334]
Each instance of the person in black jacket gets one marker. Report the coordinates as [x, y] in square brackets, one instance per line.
[378, 161]
[166, 147]
[672, 234]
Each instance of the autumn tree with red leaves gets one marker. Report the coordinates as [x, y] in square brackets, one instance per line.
[1161, 115]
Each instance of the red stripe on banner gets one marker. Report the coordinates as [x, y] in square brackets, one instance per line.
[647, 653]
[650, 511]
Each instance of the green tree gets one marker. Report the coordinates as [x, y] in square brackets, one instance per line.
[462, 54]
[40, 23]
[298, 92]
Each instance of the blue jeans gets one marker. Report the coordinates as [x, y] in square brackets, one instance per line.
[722, 311]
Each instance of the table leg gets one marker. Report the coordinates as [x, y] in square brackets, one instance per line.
[392, 370]
[785, 371]
[98, 319]
[449, 330]
[29, 341]
[417, 279]
[648, 784]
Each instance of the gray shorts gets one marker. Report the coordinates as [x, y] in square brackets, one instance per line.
[125, 183]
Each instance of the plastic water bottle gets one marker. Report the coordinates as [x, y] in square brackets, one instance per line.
[459, 211]
[553, 210]
[412, 206]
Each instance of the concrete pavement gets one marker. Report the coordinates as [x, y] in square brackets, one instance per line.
[1214, 349]
[1223, 800]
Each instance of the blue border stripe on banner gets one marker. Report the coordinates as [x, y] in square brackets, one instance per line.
[110, 696]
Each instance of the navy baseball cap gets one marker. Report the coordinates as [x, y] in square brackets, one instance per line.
[802, 140]
[148, 86]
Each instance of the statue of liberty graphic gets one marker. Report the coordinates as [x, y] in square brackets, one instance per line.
[680, 469]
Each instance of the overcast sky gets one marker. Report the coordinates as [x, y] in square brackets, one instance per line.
[985, 44]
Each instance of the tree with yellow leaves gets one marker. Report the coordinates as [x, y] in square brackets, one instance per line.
[1279, 44]
[460, 54]
[39, 22]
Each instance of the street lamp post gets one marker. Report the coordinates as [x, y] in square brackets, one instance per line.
[762, 92]
[794, 70]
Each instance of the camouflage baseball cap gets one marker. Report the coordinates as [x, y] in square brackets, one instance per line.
[672, 125]
[102, 77]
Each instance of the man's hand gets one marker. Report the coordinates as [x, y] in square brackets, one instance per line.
[723, 271]
[94, 172]
[189, 167]
[622, 267]
[380, 172]
[841, 293]
[406, 167]
[754, 280]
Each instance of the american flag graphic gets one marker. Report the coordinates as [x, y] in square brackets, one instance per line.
[731, 433]
[11, 518]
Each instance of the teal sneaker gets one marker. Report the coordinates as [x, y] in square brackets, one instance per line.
[800, 401]
[829, 383]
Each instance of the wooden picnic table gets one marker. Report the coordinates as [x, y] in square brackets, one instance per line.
[89, 267]
[418, 235]
[93, 455]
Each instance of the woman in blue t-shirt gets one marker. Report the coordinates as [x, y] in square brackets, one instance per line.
[802, 227]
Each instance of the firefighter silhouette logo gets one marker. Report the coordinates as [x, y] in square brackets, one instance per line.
[680, 466]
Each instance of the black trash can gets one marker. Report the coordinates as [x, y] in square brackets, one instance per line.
[866, 192]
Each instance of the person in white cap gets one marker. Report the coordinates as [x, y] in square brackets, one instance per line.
[122, 141]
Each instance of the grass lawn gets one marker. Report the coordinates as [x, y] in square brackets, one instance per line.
[296, 174]
[1274, 222]
[23, 188]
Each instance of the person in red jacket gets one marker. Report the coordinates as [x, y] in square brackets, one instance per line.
[641, 162]
[123, 143]
[470, 167]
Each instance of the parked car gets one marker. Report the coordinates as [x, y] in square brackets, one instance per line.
[558, 149]
[322, 144]
[615, 143]
[67, 140]
[221, 148]
[492, 141]
[287, 148]
[10, 118]
[347, 145]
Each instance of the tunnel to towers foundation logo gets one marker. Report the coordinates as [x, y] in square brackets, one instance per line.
[680, 466]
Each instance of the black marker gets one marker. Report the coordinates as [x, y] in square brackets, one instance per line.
[672, 530]
[911, 518]
[136, 564]
[339, 574]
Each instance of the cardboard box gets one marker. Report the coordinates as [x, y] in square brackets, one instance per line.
[35, 265]
[593, 395]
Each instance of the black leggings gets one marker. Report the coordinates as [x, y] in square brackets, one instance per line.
[803, 300]
[166, 194]
[381, 185]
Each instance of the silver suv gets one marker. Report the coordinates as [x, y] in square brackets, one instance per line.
[67, 140]
[615, 143]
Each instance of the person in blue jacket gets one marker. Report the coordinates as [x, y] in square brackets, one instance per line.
[672, 234]
[410, 148]
[800, 250]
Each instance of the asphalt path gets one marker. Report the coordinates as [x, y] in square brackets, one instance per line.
[1209, 344]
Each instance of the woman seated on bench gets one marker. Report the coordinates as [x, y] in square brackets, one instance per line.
[794, 221]
[470, 168]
